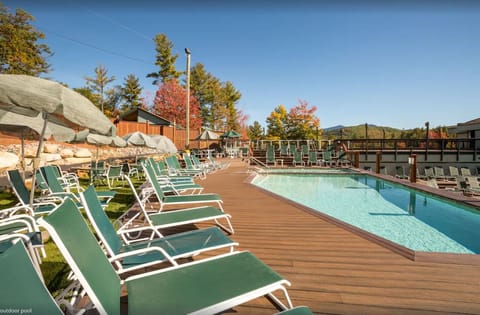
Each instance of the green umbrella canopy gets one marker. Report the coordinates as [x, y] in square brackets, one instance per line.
[231, 134]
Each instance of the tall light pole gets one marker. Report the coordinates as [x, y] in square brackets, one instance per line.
[427, 125]
[366, 141]
[187, 118]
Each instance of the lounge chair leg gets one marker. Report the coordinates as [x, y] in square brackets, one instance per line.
[229, 229]
[276, 301]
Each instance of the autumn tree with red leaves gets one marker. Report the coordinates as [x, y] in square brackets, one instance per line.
[170, 103]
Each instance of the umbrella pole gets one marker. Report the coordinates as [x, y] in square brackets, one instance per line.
[23, 154]
[36, 160]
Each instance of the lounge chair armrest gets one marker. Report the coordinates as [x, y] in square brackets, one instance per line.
[8, 212]
[28, 220]
[63, 195]
[124, 230]
[143, 251]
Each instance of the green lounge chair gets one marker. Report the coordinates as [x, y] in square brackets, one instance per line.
[176, 186]
[429, 172]
[130, 169]
[177, 183]
[313, 158]
[69, 180]
[164, 200]
[161, 171]
[205, 166]
[24, 227]
[473, 184]
[135, 255]
[112, 174]
[21, 287]
[39, 207]
[440, 174]
[270, 156]
[189, 166]
[284, 149]
[174, 167]
[297, 158]
[304, 149]
[56, 188]
[327, 158]
[453, 170]
[465, 171]
[207, 286]
[299, 310]
[166, 219]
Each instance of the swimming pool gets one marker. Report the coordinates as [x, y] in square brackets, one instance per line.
[413, 219]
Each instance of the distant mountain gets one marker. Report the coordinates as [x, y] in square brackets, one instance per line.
[333, 128]
[356, 132]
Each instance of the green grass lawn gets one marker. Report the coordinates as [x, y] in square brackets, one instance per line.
[54, 268]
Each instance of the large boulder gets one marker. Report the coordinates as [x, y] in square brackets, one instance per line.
[74, 160]
[8, 160]
[50, 148]
[30, 152]
[66, 153]
[83, 153]
[51, 157]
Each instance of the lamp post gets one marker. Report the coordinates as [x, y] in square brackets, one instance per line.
[383, 140]
[187, 118]
[427, 125]
[366, 141]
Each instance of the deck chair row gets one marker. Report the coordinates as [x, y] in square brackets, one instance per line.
[127, 255]
[232, 279]
[23, 290]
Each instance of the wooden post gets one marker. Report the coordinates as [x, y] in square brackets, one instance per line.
[378, 159]
[412, 160]
[357, 159]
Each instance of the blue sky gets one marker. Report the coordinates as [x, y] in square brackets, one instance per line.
[398, 64]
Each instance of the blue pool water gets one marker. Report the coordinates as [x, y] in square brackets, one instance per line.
[407, 217]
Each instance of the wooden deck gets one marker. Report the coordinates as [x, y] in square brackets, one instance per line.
[332, 270]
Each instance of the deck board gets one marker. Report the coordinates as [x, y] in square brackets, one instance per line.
[332, 270]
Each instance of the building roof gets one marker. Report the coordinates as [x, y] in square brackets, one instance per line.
[468, 126]
[470, 122]
[142, 115]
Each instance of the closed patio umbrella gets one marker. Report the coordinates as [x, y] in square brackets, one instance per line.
[56, 104]
[19, 125]
[100, 140]
[208, 135]
[164, 144]
[140, 139]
